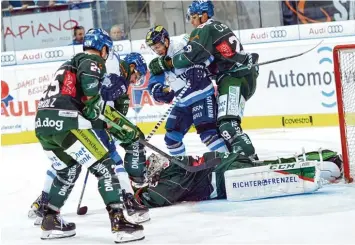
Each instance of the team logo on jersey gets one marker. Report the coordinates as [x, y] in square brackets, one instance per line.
[188, 49]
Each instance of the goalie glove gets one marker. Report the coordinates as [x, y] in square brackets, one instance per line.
[128, 132]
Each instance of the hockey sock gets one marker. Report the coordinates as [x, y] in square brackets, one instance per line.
[134, 162]
[173, 141]
[50, 175]
[212, 140]
[62, 186]
[234, 135]
[108, 184]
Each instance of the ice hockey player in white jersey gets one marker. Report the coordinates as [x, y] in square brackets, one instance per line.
[197, 102]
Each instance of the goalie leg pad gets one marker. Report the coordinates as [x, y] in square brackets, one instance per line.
[272, 181]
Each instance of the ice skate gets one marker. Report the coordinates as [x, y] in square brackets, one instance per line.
[123, 230]
[32, 213]
[37, 208]
[54, 227]
[136, 211]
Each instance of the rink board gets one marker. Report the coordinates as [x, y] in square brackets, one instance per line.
[287, 121]
[297, 92]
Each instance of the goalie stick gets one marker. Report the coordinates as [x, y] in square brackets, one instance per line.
[206, 165]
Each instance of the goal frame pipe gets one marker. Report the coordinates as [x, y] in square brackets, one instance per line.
[340, 103]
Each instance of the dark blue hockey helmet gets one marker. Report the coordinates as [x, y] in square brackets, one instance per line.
[156, 34]
[97, 38]
[199, 7]
[140, 65]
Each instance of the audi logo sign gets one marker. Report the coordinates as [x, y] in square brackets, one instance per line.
[54, 54]
[335, 29]
[278, 33]
[7, 58]
[118, 48]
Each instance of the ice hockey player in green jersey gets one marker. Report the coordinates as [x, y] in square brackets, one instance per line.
[235, 87]
[68, 113]
[170, 184]
[120, 74]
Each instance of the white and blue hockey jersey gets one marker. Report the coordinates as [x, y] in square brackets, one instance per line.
[176, 78]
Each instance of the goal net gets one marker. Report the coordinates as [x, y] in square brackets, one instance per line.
[344, 71]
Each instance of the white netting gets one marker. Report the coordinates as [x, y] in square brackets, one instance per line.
[347, 81]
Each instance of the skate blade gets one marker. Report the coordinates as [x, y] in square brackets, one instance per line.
[38, 221]
[141, 218]
[55, 234]
[123, 236]
[136, 217]
[31, 214]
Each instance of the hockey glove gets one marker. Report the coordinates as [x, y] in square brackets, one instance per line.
[113, 86]
[160, 64]
[93, 107]
[161, 95]
[122, 104]
[196, 75]
[250, 60]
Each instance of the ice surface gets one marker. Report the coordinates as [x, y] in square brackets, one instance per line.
[326, 217]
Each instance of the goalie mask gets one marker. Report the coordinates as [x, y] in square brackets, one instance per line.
[156, 163]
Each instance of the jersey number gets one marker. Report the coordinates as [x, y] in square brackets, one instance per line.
[53, 87]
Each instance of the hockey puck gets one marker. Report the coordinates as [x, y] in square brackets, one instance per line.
[82, 210]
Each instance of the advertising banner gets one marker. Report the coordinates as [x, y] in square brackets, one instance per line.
[44, 30]
[21, 88]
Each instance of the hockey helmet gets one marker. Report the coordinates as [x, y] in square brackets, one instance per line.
[199, 7]
[140, 65]
[156, 34]
[97, 38]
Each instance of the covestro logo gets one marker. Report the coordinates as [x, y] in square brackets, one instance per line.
[297, 121]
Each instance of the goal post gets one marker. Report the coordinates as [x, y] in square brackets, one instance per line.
[344, 72]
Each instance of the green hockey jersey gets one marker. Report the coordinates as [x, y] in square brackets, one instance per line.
[212, 39]
[61, 105]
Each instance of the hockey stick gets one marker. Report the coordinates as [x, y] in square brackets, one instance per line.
[270, 61]
[167, 113]
[177, 99]
[206, 165]
[83, 210]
